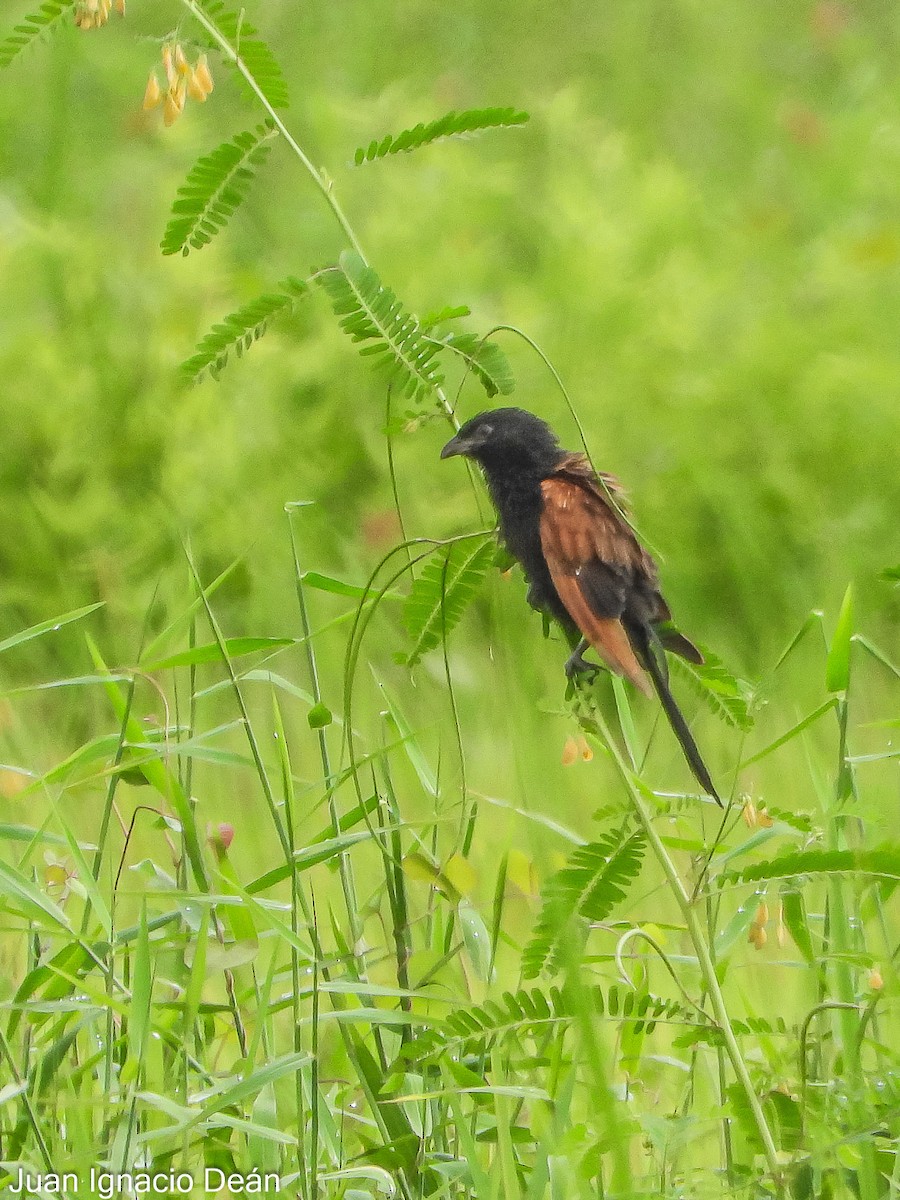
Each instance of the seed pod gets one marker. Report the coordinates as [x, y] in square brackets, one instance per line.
[570, 752]
[182, 66]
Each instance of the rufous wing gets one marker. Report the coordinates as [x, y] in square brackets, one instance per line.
[590, 553]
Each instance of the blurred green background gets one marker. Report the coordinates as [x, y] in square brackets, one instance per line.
[699, 225]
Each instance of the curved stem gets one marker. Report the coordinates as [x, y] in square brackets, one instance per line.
[636, 932]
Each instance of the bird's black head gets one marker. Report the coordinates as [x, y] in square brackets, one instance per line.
[507, 438]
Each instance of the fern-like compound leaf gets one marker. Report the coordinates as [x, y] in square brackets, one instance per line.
[593, 881]
[484, 359]
[369, 312]
[238, 331]
[452, 124]
[534, 1013]
[216, 184]
[42, 22]
[880, 861]
[250, 48]
[724, 694]
[442, 592]
[441, 315]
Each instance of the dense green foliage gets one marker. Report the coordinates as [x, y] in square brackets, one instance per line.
[292, 875]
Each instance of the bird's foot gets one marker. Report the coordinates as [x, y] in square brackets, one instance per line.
[577, 665]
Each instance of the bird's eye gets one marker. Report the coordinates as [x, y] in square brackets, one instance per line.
[486, 431]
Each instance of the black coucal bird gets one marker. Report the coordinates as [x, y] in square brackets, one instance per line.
[583, 563]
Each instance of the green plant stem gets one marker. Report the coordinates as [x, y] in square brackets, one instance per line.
[322, 183]
[704, 958]
[347, 884]
[842, 947]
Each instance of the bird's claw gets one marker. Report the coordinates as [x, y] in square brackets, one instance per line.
[577, 664]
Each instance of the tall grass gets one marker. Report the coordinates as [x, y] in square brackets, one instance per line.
[291, 967]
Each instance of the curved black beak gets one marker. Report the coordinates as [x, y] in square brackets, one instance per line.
[455, 446]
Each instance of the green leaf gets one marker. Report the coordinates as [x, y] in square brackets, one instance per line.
[233, 1091]
[452, 124]
[310, 856]
[723, 692]
[53, 980]
[250, 48]
[216, 184]
[27, 833]
[447, 313]
[837, 665]
[477, 939]
[50, 626]
[589, 886]
[29, 900]
[793, 911]
[371, 313]
[442, 592]
[141, 991]
[882, 861]
[41, 23]
[239, 330]
[183, 620]
[416, 754]
[326, 583]
[157, 774]
[212, 652]
[876, 653]
[536, 1012]
[793, 732]
[891, 574]
[484, 359]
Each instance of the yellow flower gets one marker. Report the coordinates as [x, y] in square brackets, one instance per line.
[153, 94]
[199, 82]
[169, 67]
[203, 75]
[574, 749]
[757, 936]
[91, 14]
[182, 80]
[173, 105]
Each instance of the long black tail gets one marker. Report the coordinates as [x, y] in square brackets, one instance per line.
[641, 641]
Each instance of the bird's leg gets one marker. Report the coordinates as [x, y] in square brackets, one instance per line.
[577, 664]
